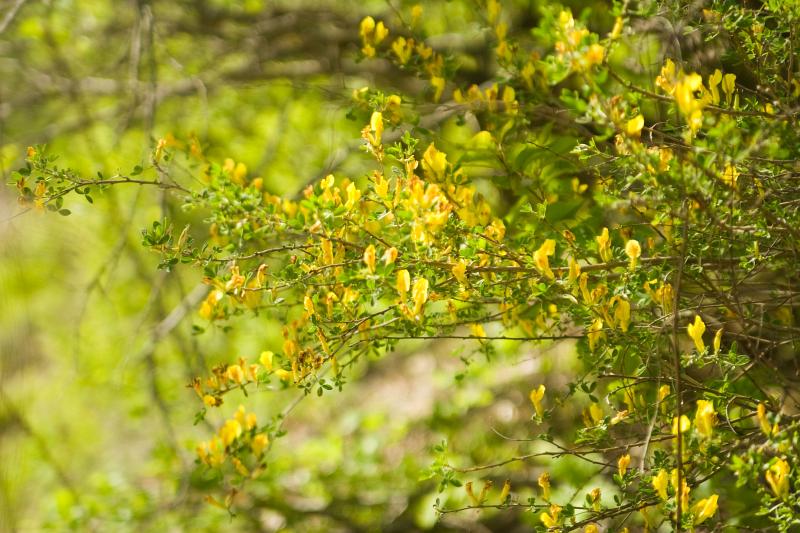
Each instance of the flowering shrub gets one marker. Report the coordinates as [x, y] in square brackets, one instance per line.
[650, 222]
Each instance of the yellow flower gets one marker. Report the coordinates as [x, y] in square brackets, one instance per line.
[162, 143]
[565, 20]
[578, 187]
[544, 483]
[666, 80]
[684, 93]
[713, 82]
[717, 340]
[290, 348]
[437, 82]
[403, 49]
[704, 509]
[595, 54]
[283, 375]
[371, 34]
[595, 496]
[761, 413]
[527, 74]
[367, 27]
[778, 478]
[474, 501]
[706, 418]
[622, 464]
[496, 230]
[353, 196]
[536, 397]
[574, 270]
[234, 373]
[685, 425]
[434, 163]
[477, 331]
[663, 392]
[540, 257]
[583, 284]
[604, 245]
[416, 14]
[259, 444]
[459, 270]
[634, 126]
[663, 296]
[368, 50]
[633, 250]
[593, 415]
[236, 281]
[216, 450]
[308, 305]
[595, 333]
[695, 120]
[239, 465]
[684, 492]
[664, 157]
[487, 485]
[619, 417]
[252, 296]
[622, 312]
[266, 360]
[510, 100]
[208, 307]
[369, 258]
[660, 484]
[289, 207]
[420, 294]
[728, 86]
[505, 491]
[403, 283]
[327, 251]
[730, 175]
[381, 32]
[202, 452]
[250, 421]
[591, 528]
[696, 331]
[617, 30]
[551, 519]
[230, 431]
[375, 133]
[327, 182]
[210, 400]
[389, 256]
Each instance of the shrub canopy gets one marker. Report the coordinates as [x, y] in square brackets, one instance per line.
[594, 207]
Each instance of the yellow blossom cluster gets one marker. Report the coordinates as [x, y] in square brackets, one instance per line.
[700, 511]
[691, 96]
[575, 46]
[236, 433]
[372, 34]
[778, 478]
[405, 50]
[238, 287]
[492, 98]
